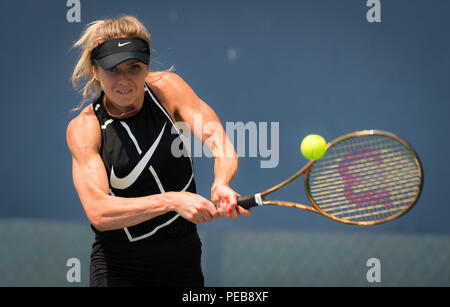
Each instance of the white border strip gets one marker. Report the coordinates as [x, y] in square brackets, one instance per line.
[127, 128]
[131, 239]
[109, 121]
[158, 182]
[147, 89]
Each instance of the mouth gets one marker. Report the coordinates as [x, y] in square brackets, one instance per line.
[123, 92]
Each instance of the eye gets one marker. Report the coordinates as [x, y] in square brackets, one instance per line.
[136, 67]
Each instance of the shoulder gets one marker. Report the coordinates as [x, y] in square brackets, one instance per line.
[85, 122]
[169, 85]
[84, 131]
[172, 91]
[165, 80]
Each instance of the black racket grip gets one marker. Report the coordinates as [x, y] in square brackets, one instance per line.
[247, 201]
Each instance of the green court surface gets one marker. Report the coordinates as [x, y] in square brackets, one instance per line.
[35, 253]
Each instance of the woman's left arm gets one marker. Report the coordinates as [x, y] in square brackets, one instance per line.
[184, 105]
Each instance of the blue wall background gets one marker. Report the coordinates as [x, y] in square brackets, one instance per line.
[313, 66]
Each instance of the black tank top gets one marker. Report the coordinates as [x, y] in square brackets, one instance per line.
[136, 152]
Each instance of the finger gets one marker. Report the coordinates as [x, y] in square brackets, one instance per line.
[216, 195]
[212, 210]
[204, 216]
[221, 208]
[213, 213]
[231, 202]
[216, 215]
[215, 198]
[223, 213]
[227, 210]
[207, 217]
[231, 212]
[240, 210]
[244, 212]
[195, 220]
[202, 219]
[234, 213]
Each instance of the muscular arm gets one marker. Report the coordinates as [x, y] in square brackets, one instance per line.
[107, 212]
[184, 105]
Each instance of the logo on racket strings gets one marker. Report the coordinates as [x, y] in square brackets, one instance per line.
[354, 177]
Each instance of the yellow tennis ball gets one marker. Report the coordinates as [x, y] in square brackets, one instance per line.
[313, 147]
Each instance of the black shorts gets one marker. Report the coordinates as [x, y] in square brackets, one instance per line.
[170, 262]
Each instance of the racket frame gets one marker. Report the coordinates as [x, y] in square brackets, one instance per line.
[315, 208]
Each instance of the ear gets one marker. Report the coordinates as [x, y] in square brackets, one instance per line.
[95, 71]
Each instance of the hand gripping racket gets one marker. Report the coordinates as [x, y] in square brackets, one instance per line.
[365, 178]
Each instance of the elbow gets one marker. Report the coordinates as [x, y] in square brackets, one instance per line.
[96, 211]
[97, 221]
[97, 224]
[96, 217]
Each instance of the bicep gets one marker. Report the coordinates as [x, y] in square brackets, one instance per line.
[91, 183]
[192, 110]
[197, 114]
[90, 178]
[88, 171]
[185, 106]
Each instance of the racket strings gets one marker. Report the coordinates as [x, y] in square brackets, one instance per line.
[397, 172]
[365, 178]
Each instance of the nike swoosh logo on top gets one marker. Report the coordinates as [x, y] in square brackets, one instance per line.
[127, 181]
[121, 45]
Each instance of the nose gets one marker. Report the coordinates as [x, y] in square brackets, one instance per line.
[124, 76]
[123, 79]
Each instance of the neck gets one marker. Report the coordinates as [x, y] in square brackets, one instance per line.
[113, 111]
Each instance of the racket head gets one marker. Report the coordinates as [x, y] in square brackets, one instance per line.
[365, 178]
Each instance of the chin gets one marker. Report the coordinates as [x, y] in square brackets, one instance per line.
[126, 99]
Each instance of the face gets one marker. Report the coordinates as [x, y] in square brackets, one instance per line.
[124, 84]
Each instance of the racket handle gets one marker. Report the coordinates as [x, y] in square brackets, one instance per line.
[249, 201]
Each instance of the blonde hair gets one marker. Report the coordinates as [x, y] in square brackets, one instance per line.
[96, 32]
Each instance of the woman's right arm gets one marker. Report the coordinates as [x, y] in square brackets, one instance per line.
[106, 212]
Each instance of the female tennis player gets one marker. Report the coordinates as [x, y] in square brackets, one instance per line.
[139, 196]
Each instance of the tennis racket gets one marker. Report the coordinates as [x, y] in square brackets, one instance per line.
[365, 178]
